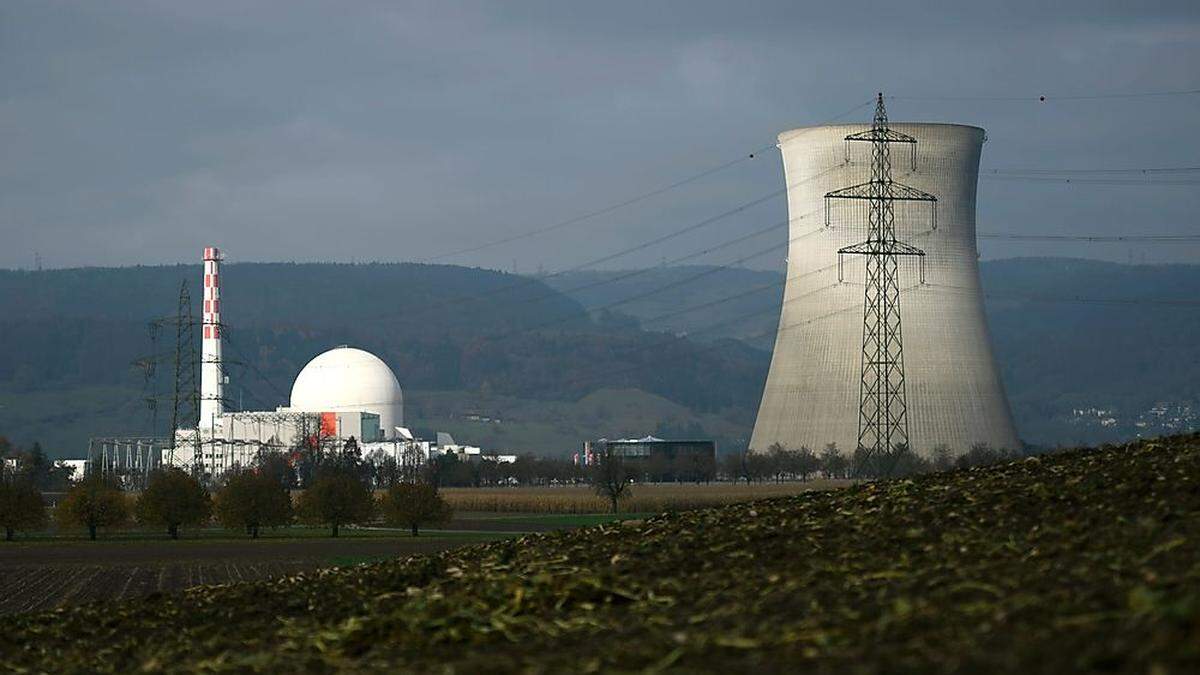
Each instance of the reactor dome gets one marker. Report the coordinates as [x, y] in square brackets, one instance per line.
[345, 379]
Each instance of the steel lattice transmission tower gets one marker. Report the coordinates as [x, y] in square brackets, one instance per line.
[185, 400]
[883, 407]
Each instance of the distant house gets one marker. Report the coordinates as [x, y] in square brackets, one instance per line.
[77, 466]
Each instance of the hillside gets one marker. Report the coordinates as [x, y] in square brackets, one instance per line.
[1083, 561]
[68, 337]
[1077, 369]
[468, 343]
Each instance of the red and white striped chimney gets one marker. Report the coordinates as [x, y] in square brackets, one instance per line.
[212, 382]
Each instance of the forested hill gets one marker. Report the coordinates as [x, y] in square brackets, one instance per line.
[1090, 351]
[68, 337]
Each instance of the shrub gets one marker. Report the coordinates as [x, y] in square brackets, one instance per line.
[93, 502]
[336, 497]
[252, 499]
[413, 505]
[174, 499]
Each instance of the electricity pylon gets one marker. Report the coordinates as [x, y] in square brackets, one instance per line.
[883, 406]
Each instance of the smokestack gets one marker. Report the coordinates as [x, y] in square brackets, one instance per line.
[212, 383]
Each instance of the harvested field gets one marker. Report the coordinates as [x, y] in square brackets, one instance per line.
[48, 575]
[28, 588]
[1083, 561]
[647, 498]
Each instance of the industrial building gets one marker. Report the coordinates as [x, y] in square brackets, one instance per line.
[643, 450]
[815, 385]
[340, 394]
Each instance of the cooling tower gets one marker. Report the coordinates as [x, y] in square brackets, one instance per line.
[954, 393]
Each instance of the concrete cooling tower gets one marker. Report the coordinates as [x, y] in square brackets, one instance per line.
[954, 393]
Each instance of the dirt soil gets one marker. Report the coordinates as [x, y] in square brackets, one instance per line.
[50, 575]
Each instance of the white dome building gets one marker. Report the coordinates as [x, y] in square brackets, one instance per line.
[345, 379]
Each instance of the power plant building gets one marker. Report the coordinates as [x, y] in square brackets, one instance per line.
[954, 393]
[340, 394]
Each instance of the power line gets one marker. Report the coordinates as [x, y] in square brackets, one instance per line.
[1099, 238]
[1045, 98]
[777, 284]
[623, 276]
[611, 373]
[245, 361]
[1089, 181]
[1054, 172]
[523, 282]
[704, 272]
[623, 203]
[598, 212]
[1077, 299]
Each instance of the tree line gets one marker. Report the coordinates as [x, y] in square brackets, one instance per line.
[779, 463]
[339, 492]
[339, 485]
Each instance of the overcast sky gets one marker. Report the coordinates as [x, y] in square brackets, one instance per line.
[136, 133]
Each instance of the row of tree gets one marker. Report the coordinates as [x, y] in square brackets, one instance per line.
[779, 463]
[248, 500]
[529, 470]
[36, 465]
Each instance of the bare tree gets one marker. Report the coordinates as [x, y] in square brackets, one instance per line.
[805, 463]
[942, 458]
[736, 465]
[609, 476]
[833, 463]
[778, 456]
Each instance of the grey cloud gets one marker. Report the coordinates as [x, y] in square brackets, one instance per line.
[138, 132]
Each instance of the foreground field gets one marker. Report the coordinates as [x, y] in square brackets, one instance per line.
[52, 573]
[646, 498]
[1084, 561]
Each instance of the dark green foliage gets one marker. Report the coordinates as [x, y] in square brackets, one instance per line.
[173, 499]
[93, 503]
[276, 467]
[337, 496]
[1083, 561]
[21, 505]
[251, 499]
[413, 505]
